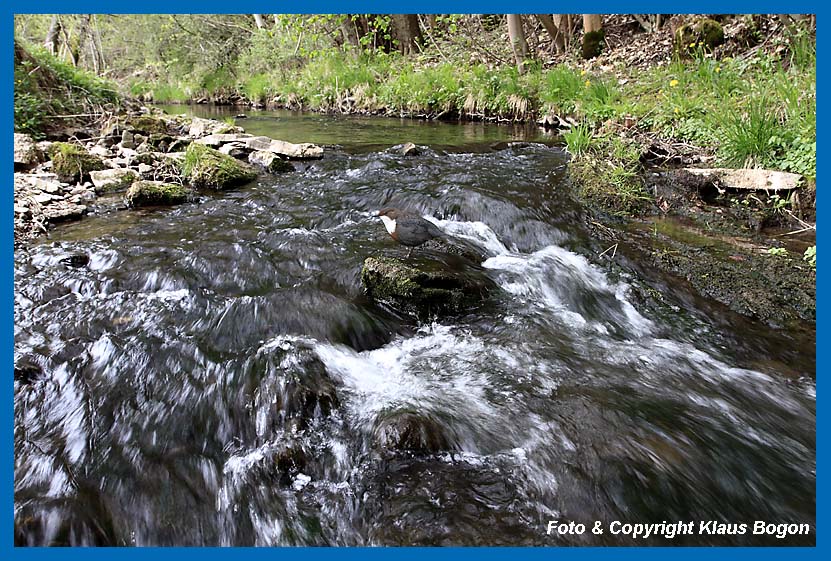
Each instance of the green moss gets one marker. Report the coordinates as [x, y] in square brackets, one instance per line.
[206, 167]
[149, 125]
[700, 35]
[154, 193]
[420, 292]
[593, 43]
[72, 163]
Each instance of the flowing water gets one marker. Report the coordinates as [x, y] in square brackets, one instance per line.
[214, 374]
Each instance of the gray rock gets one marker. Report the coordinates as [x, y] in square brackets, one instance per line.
[270, 161]
[43, 198]
[109, 180]
[305, 151]
[101, 151]
[214, 140]
[27, 154]
[128, 140]
[201, 127]
[409, 149]
[235, 150]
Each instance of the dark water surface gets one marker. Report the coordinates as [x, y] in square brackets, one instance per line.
[215, 376]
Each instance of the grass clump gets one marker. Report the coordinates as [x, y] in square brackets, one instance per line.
[205, 167]
[72, 163]
[607, 175]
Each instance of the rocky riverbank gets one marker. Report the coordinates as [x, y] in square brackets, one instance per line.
[152, 158]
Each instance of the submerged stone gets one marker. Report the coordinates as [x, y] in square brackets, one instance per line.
[410, 432]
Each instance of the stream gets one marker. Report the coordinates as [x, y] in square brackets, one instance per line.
[215, 375]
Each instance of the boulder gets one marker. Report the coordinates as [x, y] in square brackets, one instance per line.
[269, 161]
[128, 140]
[408, 149]
[410, 432]
[206, 167]
[109, 180]
[148, 124]
[305, 151]
[27, 154]
[156, 193]
[72, 163]
[434, 287]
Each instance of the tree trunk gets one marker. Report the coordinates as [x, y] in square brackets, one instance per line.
[76, 50]
[97, 48]
[551, 26]
[518, 42]
[408, 32]
[258, 19]
[51, 42]
[593, 38]
[349, 30]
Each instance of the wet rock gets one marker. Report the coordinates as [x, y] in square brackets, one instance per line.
[76, 260]
[72, 163]
[431, 288]
[26, 371]
[290, 462]
[410, 432]
[269, 161]
[27, 154]
[156, 193]
[409, 149]
[110, 180]
[206, 167]
[305, 151]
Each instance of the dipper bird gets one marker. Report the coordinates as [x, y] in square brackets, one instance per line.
[408, 228]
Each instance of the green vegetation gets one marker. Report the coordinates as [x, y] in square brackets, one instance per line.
[810, 256]
[47, 90]
[155, 193]
[72, 163]
[206, 167]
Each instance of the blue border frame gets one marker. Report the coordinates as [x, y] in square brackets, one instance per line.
[363, 6]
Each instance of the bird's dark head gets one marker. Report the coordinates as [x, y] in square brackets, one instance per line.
[389, 212]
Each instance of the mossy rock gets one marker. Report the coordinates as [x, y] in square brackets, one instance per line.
[72, 163]
[593, 42]
[700, 34]
[148, 124]
[156, 193]
[160, 141]
[206, 167]
[427, 290]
